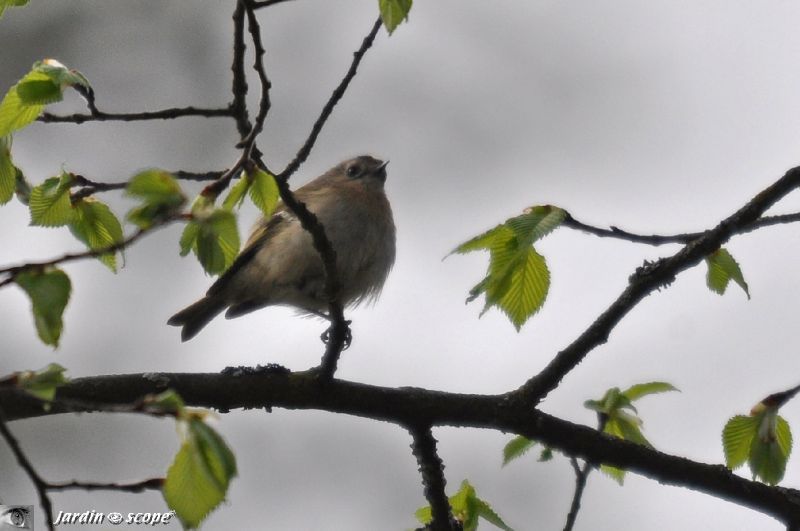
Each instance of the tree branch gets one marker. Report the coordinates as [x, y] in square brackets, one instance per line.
[165, 114]
[413, 406]
[139, 486]
[338, 92]
[13, 271]
[431, 469]
[238, 106]
[39, 484]
[581, 475]
[648, 278]
[656, 239]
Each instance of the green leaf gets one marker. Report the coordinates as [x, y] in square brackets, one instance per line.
[189, 237]
[537, 222]
[43, 383]
[467, 508]
[737, 437]
[16, 114]
[770, 449]
[617, 474]
[5, 4]
[37, 88]
[517, 447]
[546, 455]
[49, 292]
[492, 237]
[637, 391]
[214, 238]
[198, 479]
[97, 227]
[236, 194]
[50, 204]
[264, 192]
[393, 12]
[485, 511]
[519, 285]
[167, 401]
[161, 196]
[8, 172]
[722, 268]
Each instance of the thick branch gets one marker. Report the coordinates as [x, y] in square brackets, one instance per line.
[648, 278]
[165, 114]
[431, 469]
[412, 406]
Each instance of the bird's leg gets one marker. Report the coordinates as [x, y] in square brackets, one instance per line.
[348, 337]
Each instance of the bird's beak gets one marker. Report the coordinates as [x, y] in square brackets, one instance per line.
[380, 171]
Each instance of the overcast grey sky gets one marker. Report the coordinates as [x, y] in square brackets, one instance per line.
[655, 117]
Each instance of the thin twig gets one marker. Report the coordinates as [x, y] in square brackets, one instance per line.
[581, 474]
[39, 484]
[13, 271]
[433, 481]
[648, 278]
[258, 65]
[165, 114]
[305, 150]
[139, 486]
[267, 3]
[238, 106]
[658, 239]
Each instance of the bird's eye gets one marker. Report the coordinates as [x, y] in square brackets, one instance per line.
[353, 171]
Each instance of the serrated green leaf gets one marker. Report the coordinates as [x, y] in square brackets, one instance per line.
[521, 291]
[628, 426]
[467, 508]
[37, 88]
[167, 401]
[49, 292]
[517, 447]
[638, 391]
[264, 192]
[236, 194]
[393, 12]
[485, 511]
[722, 268]
[214, 239]
[617, 474]
[536, 222]
[8, 172]
[768, 457]
[50, 204]
[14, 114]
[737, 437]
[487, 240]
[43, 383]
[198, 479]
[96, 226]
[546, 455]
[161, 196]
[189, 236]
[5, 4]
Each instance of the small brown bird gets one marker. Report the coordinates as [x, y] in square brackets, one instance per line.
[279, 264]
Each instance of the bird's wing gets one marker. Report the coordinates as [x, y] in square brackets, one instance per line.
[264, 230]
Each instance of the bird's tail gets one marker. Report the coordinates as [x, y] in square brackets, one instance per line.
[195, 316]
